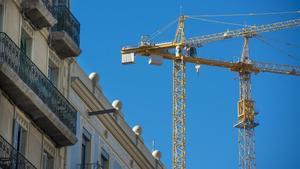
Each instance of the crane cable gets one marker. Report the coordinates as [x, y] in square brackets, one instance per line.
[278, 40]
[280, 50]
[204, 17]
[163, 29]
[216, 21]
[248, 14]
[292, 45]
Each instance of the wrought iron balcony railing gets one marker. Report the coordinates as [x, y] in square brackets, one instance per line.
[10, 158]
[89, 166]
[67, 22]
[37, 81]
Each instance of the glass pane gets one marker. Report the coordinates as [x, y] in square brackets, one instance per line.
[48, 161]
[1, 18]
[53, 73]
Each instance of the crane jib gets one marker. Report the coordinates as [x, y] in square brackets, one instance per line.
[248, 31]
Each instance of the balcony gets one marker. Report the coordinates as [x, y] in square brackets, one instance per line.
[32, 91]
[89, 166]
[39, 13]
[65, 35]
[10, 158]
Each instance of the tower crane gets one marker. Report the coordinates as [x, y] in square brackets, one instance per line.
[185, 52]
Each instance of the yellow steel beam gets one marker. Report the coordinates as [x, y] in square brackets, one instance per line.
[142, 49]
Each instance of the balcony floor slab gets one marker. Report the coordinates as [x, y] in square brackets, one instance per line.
[31, 104]
[63, 44]
[38, 13]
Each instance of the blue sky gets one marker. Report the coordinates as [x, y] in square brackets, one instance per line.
[146, 90]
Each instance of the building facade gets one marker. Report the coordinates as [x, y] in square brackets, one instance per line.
[45, 97]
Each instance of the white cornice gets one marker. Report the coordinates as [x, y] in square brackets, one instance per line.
[143, 159]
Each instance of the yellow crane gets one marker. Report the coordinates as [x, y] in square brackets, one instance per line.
[182, 51]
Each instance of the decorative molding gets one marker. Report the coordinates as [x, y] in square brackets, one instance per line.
[105, 134]
[87, 126]
[49, 147]
[54, 58]
[21, 119]
[45, 33]
[26, 26]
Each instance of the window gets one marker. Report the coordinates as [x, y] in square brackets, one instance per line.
[85, 148]
[48, 161]
[19, 138]
[1, 17]
[53, 73]
[116, 165]
[104, 159]
[26, 43]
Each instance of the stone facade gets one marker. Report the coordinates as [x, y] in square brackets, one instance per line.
[26, 114]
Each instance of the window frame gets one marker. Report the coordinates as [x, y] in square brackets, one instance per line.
[48, 160]
[20, 137]
[53, 73]
[2, 16]
[27, 40]
[104, 159]
[86, 145]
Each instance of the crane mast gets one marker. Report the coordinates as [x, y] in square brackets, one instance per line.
[246, 115]
[179, 102]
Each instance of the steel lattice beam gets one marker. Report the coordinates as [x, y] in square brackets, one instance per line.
[246, 140]
[179, 107]
[247, 31]
[246, 116]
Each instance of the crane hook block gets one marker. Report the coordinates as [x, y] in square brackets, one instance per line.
[155, 60]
